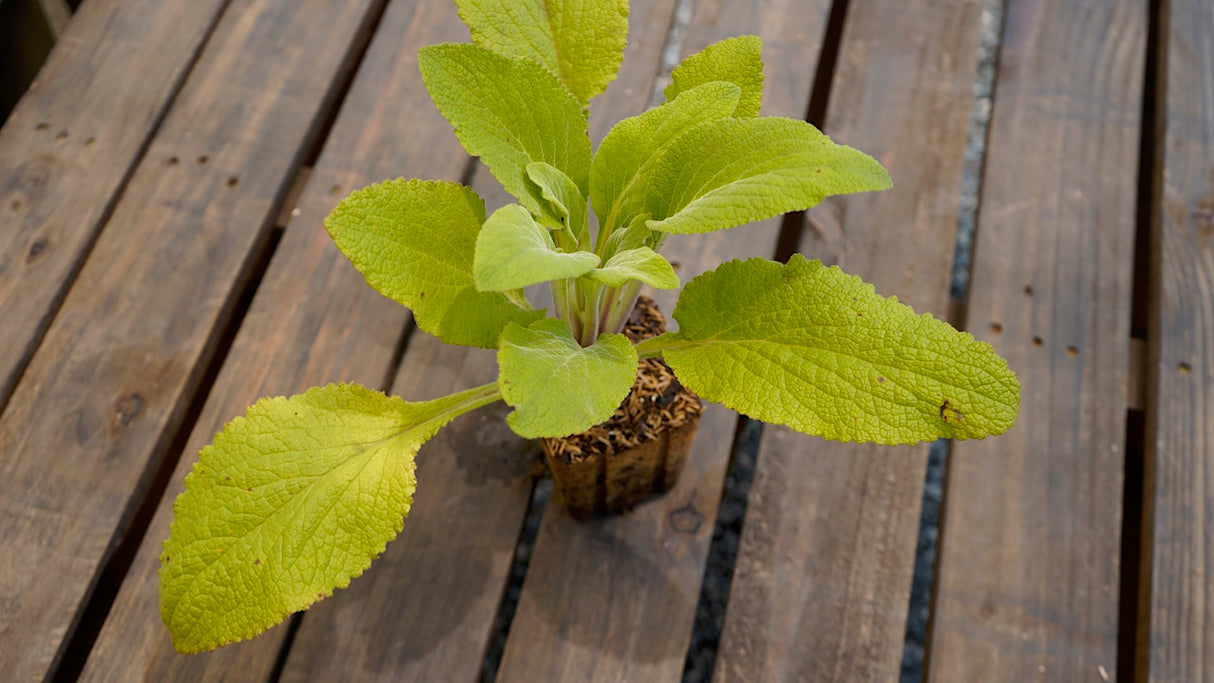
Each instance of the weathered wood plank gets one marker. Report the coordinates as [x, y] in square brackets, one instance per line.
[821, 586]
[57, 14]
[1028, 573]
[105, 392]
[425, 610]
[71, 144]
[615, 599]
[1180, 447]
[314, 320]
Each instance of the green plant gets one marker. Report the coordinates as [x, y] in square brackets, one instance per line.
[299, 495]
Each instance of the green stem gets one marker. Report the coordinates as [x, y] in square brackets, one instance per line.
[654, 346]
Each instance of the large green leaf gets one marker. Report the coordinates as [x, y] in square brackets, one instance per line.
[737, 60]
[642, 264]
[558, 388]
[581, 41]
[733, 171]
[513, 252]
[509, 112]
[818, 350]
[290, 502]
[414, 241]
[623, 165]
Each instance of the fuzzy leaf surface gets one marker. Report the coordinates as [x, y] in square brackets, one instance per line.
[623, 165]
[734, 171]
[643, 264]
[738, 60]
[556, 387]
[818, 350]
[290, 502]
[513, 252]
[581, 41]
[509, 112]
[414, 241]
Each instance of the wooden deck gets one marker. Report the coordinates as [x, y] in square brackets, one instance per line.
[162, 265]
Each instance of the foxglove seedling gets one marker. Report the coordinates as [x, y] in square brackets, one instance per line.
[297, 497]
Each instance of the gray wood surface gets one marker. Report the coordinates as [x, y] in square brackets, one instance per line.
[70, 145]
[1028, 575]
[106, 390]
[1179, 541]
[825, 562]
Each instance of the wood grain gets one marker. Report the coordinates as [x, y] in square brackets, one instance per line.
[823, 575]
[104, 394]
[1179, 541]
[1028, 573]
[615, 599]
[314, 320]
[69, 147]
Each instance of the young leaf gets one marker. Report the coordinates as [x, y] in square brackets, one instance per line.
[818, 350]
[737, 60]
[643, 264]
[623, 165]
[631, 237]
[509, 112]
[513, 252]
[581, 41]
[556, 387]
[290, 502]
[564, 207]
[734, 171]
[388, 233]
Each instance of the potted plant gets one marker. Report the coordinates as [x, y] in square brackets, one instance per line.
[297, 497]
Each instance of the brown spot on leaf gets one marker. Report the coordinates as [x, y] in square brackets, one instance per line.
[950, 414]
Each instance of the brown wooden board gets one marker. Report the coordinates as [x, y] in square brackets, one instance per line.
[106, 391]
[1028, 575]
[822, 580]
[425, 610]
[615, 599]
[1179, 539]
[314, 320]
[68, 148]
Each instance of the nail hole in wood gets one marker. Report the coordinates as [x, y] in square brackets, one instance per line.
[15, 205]
[1184, 368]
[336, 189]
[62, 135]
[172, 161]
[1028, 290]
[1072, 351]
[1037, 341]
[996, 328]
[202, 160]
[42, 126]
[89, 142]
[233, 181]
[35, 251]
